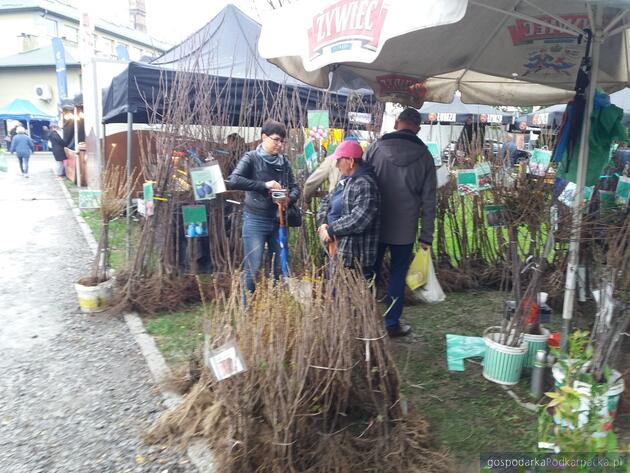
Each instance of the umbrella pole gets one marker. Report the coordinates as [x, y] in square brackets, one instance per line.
[574, 245]
[77, 160]
[129, 183]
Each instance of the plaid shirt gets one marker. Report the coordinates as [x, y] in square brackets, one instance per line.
[357, 229]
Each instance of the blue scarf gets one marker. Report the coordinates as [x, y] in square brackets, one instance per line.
[271, 159]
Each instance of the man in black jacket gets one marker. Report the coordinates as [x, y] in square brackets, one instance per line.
[58, 147]
[407, 180]
[258, 173]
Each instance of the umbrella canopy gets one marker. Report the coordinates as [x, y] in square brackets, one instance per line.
[21, 109]
[516, 52]
[496, 52]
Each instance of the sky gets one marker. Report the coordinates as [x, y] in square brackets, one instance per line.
[169, 22]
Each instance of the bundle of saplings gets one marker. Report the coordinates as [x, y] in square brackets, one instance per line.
[319, 393]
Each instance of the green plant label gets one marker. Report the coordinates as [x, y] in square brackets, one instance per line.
[484, 176]
[539, 162]
[89, 199]
[495, 214]
[195, 220]
[622, 194]
[318, 119]
[467, 182]
[310, 155]
[147, 194]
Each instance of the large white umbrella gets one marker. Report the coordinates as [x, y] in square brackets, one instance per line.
[496, 52]
[476, 46]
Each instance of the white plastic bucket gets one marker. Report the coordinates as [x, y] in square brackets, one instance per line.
[535, 343]
[95, 298]
[605, 404]
[502, 364]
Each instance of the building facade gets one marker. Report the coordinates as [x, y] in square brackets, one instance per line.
[27, 60]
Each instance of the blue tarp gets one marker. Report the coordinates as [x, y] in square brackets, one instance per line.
[21, 109]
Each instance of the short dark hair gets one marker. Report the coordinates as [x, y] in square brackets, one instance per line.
[410, 115]
[272, 127]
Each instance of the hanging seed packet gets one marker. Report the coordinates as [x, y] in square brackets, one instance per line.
[225, 361]
[484, 176]
[495, 214]
[539, 162]
[207, 181]
[147, 191]
[318, 119]
[568, 194]
[467, 182]
[622, 194]
[310, 155]
[435, 152]
[89, 199]
[195, 220]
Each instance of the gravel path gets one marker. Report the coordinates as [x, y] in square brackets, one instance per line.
[75, 392]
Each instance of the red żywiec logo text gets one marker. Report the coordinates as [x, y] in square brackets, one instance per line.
[347, 22]
[524, 31]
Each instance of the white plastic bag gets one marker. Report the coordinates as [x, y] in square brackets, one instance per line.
[443, 176]
[431, 292]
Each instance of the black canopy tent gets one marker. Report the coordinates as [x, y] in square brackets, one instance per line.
[225, 50]
[141, 93]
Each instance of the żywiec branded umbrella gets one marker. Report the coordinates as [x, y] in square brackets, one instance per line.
[495, 52]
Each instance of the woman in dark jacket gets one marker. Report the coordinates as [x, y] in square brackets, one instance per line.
[258, 173]
[348, 218]
[58, 147]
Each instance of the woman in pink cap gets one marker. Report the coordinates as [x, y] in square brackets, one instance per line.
[348, 217]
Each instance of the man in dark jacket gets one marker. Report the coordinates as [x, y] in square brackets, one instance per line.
[58, 147]
[406, 176]
[258, 173]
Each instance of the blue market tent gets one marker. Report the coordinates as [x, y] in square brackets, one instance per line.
[226, 51]
[21, 109]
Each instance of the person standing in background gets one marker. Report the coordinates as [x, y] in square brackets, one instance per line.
[58, 147]
[407, 180]
[23, 147]
[260, 172]
[45, 137]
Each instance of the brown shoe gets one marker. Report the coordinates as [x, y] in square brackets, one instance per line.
[399, 331]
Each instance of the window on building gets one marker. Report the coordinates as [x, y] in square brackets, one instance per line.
[70, 33]
[105, 46]
[135, 53]
[50, 27]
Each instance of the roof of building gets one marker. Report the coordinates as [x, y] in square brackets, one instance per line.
[40, 57]
[67, 10]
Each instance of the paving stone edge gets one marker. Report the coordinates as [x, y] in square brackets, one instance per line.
[197, 451]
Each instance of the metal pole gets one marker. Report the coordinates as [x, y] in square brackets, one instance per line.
[129, 172]
[77, 155]
[574, 245]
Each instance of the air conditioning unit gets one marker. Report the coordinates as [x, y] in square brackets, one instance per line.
[43, 92]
